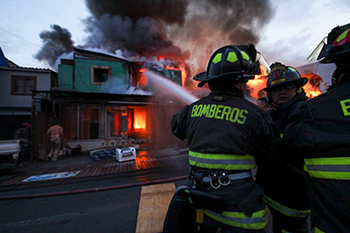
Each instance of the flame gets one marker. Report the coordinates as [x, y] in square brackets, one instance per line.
[258, 83]
[139, 118]
[142, 70]
[312, 87]
[183, 72]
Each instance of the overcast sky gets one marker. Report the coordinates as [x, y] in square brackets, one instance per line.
[291, 34]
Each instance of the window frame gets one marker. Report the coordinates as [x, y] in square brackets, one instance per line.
[93, 67]
[13, 77]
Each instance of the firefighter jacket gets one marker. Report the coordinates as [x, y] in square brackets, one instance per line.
[284, 186]
[318, 138]
[225, 131]
[281, 115]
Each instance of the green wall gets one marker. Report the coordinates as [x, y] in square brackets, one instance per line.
[82, 72]
[65, 76]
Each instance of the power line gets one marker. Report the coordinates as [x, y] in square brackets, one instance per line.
[19, 37]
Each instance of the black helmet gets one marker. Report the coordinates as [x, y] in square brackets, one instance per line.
[230, 61]
[281, 75]
[337, 48]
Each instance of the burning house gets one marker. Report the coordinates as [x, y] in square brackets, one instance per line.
[106, 101]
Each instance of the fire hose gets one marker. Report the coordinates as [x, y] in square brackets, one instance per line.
[29, 196]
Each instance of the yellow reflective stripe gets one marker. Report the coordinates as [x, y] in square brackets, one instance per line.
[217, 58]
[337, 168]
[258, 220]
[232, 57]
[281, 135]
[286, 210]
[245, 55]
[316, 230]
[222, 161]
[342, 36]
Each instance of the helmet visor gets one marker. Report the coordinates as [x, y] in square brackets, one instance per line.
[318, 51]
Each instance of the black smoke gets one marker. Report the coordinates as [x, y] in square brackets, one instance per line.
[183, 31]
[56, 42]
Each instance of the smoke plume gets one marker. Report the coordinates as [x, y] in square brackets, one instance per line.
[56, 42]
[180, 31]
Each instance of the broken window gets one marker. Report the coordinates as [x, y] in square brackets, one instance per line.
[22, 85]
[100, 74]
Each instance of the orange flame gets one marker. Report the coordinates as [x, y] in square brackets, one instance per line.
[139, 118]
[258, 83]
[312, 88]
[183, 73]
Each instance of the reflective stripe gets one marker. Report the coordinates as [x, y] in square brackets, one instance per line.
[222, 161]
[217, 58]
[232, 57]
[328, 168]
[239, 176]
[316, 230]
[342, 36]
[286, 210]
[258, 220]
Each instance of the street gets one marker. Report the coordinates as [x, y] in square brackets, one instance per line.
[113, 210]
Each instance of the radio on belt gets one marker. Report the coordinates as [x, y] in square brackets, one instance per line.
[125, 154]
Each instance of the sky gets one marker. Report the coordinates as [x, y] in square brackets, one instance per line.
[288, 33]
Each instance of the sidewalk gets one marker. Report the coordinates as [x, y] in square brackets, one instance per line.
[71, 168]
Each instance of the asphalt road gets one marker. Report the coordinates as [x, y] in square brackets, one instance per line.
[98, 211]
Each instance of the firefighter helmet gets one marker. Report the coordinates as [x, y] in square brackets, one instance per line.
[337, 48]
[281, 75]
[229, 61]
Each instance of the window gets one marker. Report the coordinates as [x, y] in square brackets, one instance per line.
[117, 121]
[69, 116]
[100, 74]
[81, 122]
[125, 121]
[89, 122]
[22, 85]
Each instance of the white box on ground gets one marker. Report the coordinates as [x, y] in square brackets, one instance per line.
[125, 154]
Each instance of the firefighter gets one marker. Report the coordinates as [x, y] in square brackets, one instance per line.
[285, 189]
[318, 138]
[227, 137]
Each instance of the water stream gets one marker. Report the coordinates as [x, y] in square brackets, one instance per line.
[173, 88]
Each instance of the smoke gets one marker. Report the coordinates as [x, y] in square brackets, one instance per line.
[179, 31]
[56, 42]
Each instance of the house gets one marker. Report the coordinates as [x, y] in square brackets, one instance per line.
[16, 88]
[106, 101]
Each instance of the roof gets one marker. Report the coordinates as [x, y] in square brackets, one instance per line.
[98, 54]
[6, 64]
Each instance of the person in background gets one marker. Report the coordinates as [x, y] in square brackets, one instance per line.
[227, 137]
[55, 134]
[285, 189]
[23, 135]
[317, 139]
